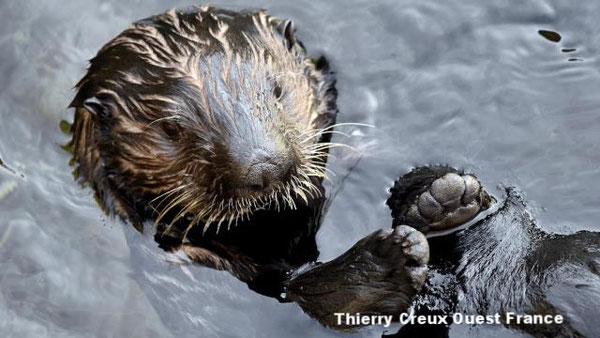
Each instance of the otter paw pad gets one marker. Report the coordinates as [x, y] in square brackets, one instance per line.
[450, 201]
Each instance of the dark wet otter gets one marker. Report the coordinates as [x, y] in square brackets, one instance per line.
[503, 263]
[214, 126]
[210, 119]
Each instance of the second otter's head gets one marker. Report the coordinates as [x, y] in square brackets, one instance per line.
[208, 115]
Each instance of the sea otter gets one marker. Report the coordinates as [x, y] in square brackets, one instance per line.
[502, 264]
[214, 127]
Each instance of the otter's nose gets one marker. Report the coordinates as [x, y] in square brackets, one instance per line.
[266, 170]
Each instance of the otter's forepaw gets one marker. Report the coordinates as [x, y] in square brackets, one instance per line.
[412, 257]
[442, 203]
[379, 275]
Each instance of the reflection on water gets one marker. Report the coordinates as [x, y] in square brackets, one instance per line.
[473, 84]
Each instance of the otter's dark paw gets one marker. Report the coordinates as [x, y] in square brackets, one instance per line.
[446, 199]
[379, 275]
[411, 259]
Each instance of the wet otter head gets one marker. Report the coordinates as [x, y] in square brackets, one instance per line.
[206, 114]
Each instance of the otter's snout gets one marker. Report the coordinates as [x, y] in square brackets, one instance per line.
[259, 170]
[267, 170]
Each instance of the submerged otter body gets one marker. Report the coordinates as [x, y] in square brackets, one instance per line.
[502, 264]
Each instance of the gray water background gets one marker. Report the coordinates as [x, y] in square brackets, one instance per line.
[468, 83]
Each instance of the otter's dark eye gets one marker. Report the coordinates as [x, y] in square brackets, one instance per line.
[277, 91]
[172, 129]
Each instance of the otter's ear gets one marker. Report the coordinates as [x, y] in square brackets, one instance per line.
[288, 31]
[95, 106]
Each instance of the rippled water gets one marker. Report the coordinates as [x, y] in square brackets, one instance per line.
[468, 83]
